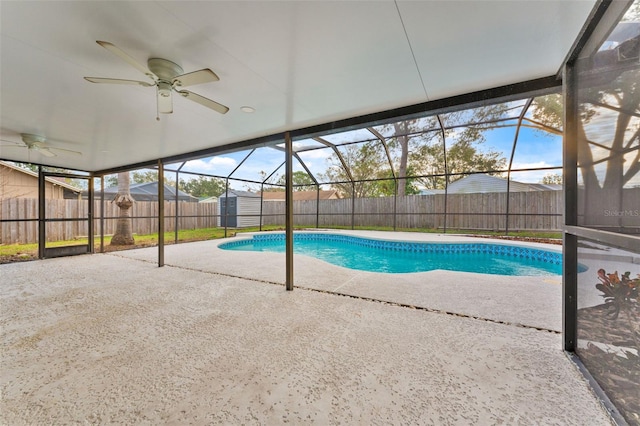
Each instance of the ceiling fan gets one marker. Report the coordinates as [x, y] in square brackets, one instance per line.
[36, 143]
[167, 77]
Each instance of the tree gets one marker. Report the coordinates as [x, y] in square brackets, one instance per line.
[124, 232]
[416, 151]
[608, 130]
[138, 176]
[552, 179]
[402, 139]
[365, 163]
[417, 148]
[388, 187]
[203, 187]
[301, 182]
[144, 176]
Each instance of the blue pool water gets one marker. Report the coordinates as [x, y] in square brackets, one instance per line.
[402, 257]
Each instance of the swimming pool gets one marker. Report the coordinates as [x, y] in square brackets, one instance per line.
[403, 257]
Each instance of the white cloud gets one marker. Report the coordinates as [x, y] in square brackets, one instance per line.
[222, 161]
[211, 165]
[536, 165]
[316, 154]
[534, 176]
[531, 177]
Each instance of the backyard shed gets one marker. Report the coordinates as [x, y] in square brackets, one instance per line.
[239, 209]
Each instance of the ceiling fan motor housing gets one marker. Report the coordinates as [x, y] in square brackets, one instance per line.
[164, 69]
[33, 141]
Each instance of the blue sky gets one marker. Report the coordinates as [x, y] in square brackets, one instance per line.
[534, 149]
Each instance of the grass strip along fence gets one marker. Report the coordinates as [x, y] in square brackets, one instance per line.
[21, 252]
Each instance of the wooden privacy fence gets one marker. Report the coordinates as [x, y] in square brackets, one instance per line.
[539, 210]
[24, 212]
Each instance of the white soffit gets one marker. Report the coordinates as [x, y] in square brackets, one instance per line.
[297, 63]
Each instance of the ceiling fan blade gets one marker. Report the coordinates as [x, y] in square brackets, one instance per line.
[124, 56]
[204, 101]
[117, 81]
[64, 150]
[6, 142]
[46, 152]
[165, 103]
[196, 77]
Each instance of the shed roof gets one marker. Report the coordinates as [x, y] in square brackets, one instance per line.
[239, 194]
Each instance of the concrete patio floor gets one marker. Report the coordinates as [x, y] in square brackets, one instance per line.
[210, 339]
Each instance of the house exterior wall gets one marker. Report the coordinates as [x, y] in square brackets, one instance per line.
[14, 184]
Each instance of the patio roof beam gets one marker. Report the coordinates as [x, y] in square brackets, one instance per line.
[386, 149]
[265, 141]
[338, 154]
[241, 163]
[273, 172]
[304, 166]
[510, 92]
[513, 151]
[594, 31]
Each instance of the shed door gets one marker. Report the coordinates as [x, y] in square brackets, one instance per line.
[229, 212]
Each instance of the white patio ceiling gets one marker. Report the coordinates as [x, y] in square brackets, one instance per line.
[297, 63]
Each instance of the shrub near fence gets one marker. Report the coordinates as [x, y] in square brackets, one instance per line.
[192, 216]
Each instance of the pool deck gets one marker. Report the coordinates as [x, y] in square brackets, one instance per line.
[213, 337]
[530, 301]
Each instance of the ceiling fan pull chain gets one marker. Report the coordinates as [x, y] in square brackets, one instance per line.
[157, 103]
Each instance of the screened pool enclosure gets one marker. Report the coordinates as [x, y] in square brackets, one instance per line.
[495, 168]
[558, 154]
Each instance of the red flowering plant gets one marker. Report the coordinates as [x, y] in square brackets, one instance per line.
[620, 293]
[616, 363]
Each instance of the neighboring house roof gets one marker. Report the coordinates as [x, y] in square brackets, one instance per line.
[427, 191]
[300, 195]
[148, 191]
[236, 193]
[485, 183]
[546, 186]
[52, 180]
[209, 200]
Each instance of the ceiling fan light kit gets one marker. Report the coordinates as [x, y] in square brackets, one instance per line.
[167, 76]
